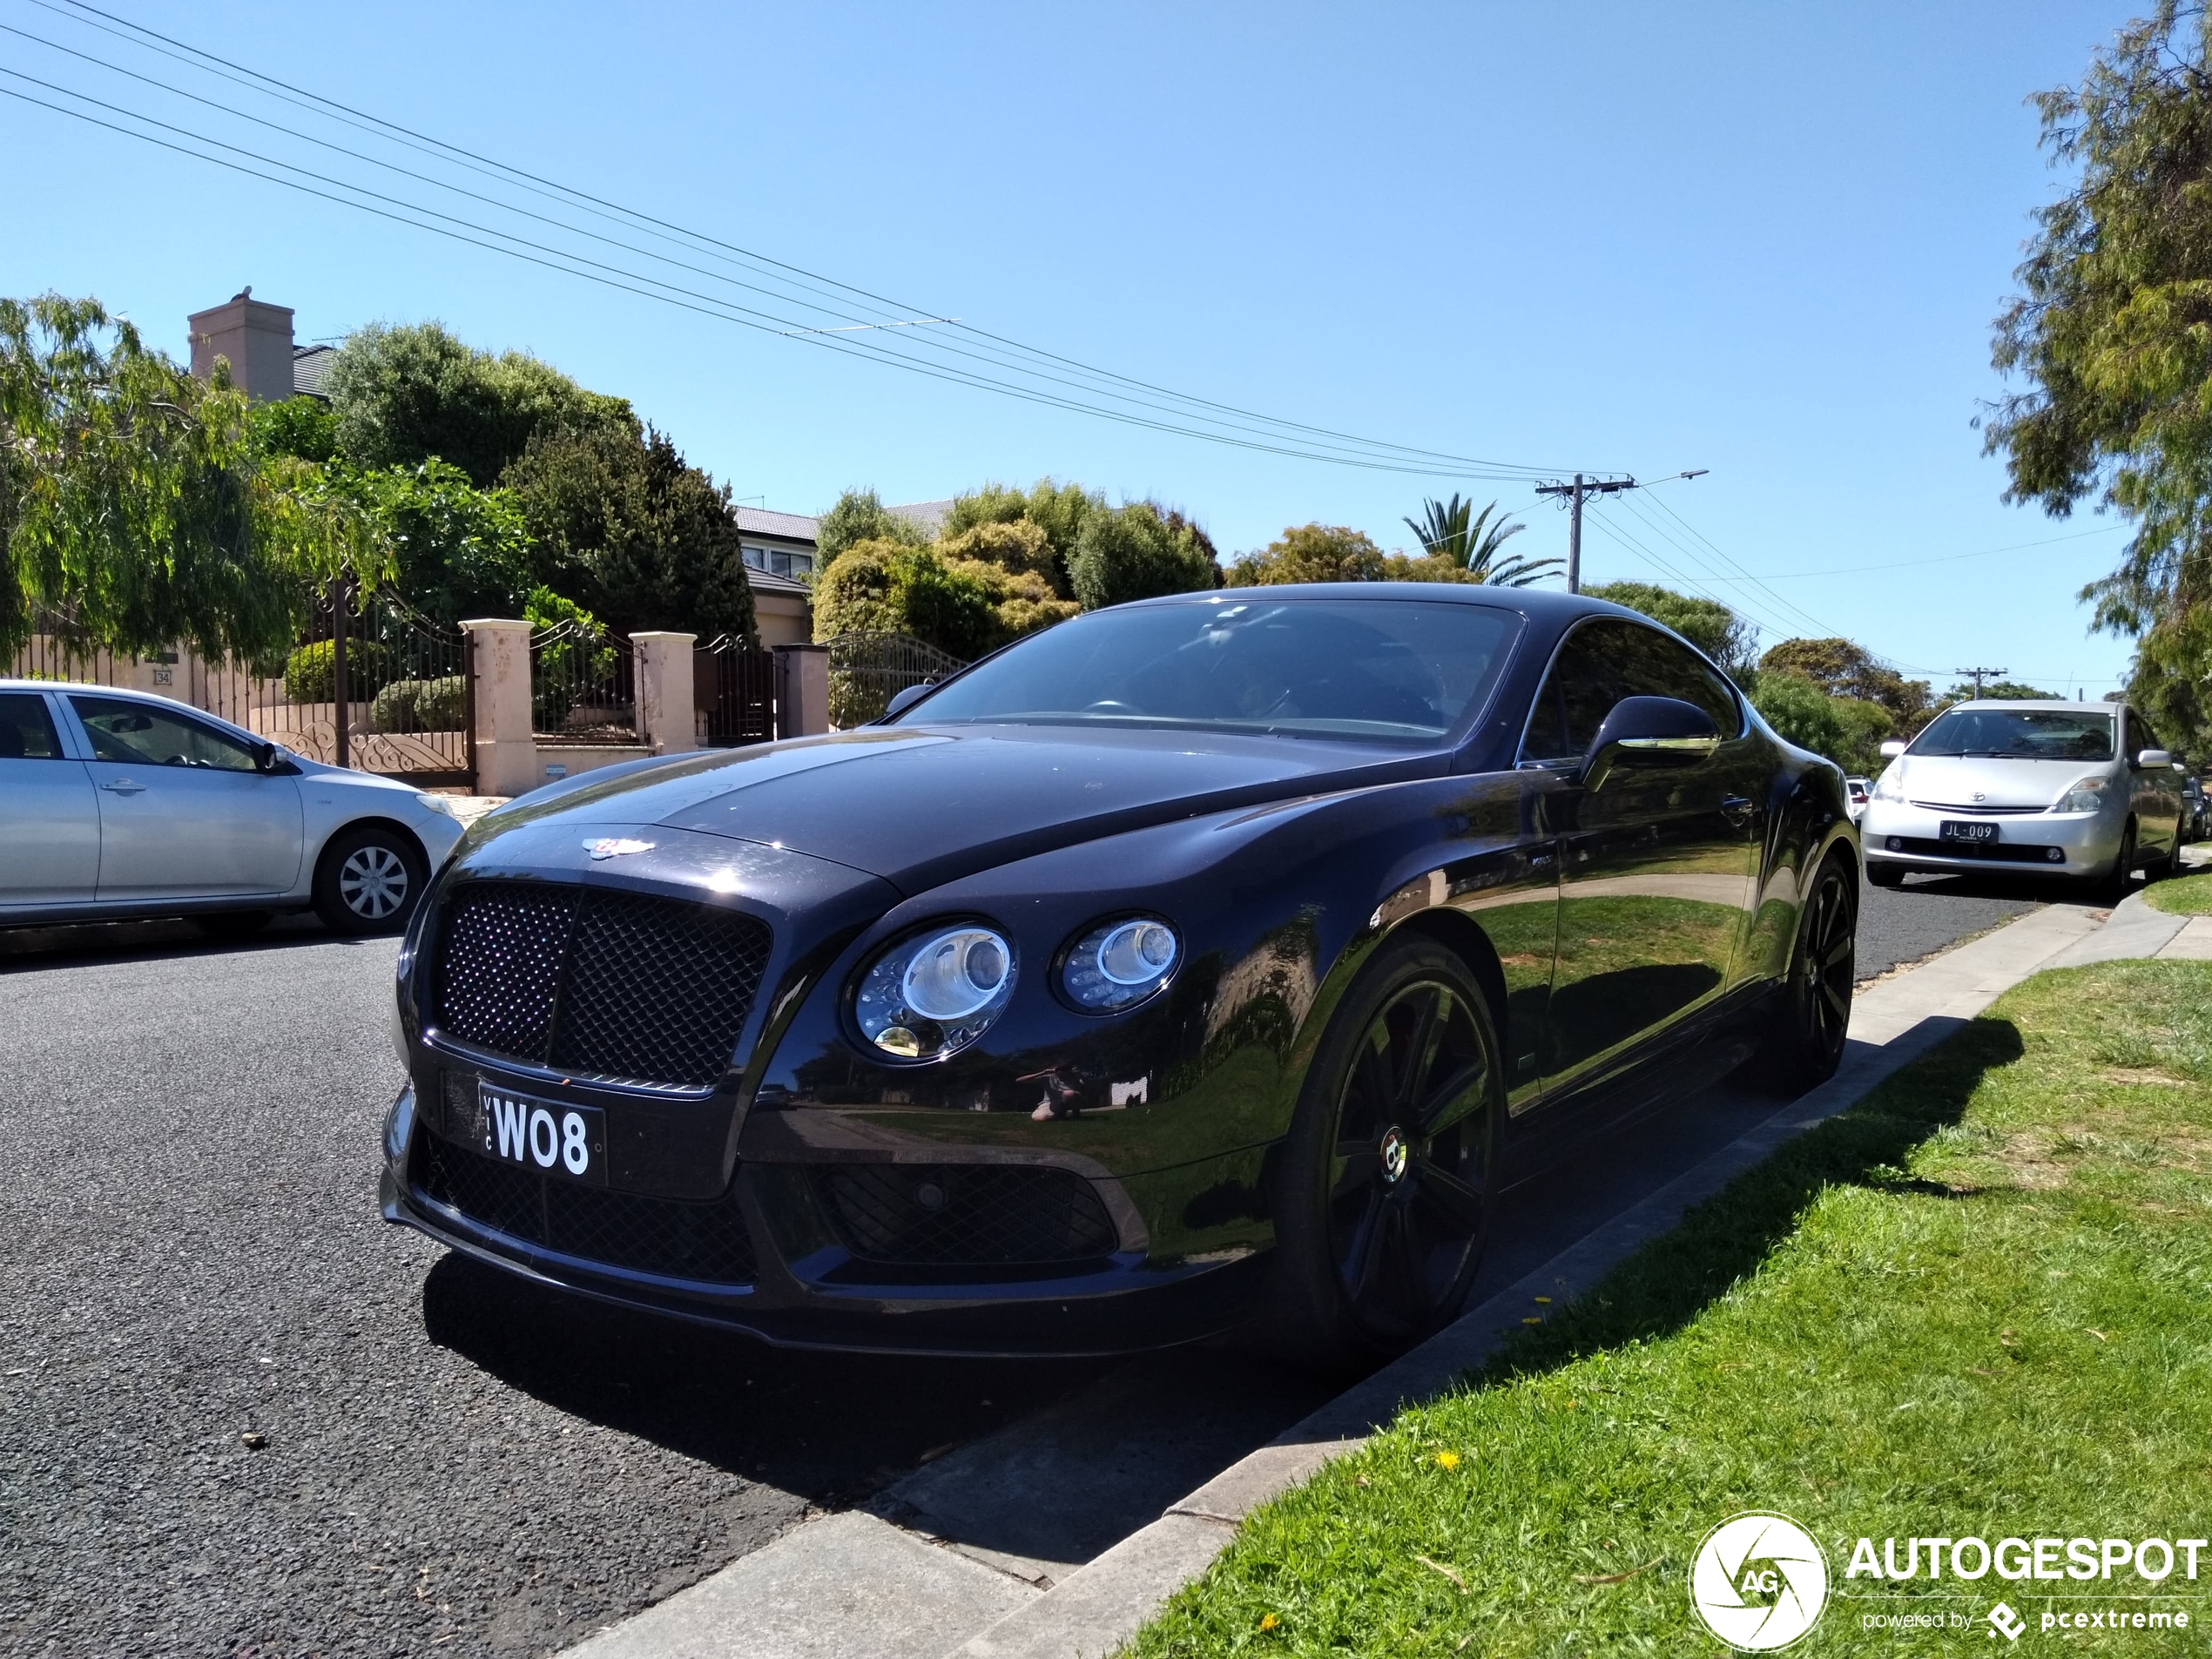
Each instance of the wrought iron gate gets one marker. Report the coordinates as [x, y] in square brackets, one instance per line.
[734, 686]
[866, 670]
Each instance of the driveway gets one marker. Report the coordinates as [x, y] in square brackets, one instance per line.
[449, 1460]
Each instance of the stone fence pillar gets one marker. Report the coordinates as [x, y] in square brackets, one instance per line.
[666, 722]
[802, 690]
[499, 667]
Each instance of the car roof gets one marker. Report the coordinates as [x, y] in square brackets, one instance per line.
[1537, 603]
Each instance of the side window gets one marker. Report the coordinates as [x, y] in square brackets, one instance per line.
[145, 734]
[26, 729]
[1604, 661]
[2139, 736]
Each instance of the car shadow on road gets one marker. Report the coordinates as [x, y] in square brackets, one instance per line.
[830, 1427]
[167, 938]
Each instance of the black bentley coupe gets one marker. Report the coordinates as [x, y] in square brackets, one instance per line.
[1202, 963]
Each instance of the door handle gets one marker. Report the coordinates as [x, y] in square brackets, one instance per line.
[1737, 806]
[124, 786]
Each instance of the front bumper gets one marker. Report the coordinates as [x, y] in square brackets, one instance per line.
[776, 1254]
[1902, 834]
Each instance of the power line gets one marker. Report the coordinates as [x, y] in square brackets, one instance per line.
[1372, 453]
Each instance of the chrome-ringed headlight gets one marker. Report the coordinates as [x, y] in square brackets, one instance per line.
[1890, 784]
[932, 994]
[2083, 795]
[1117, 964]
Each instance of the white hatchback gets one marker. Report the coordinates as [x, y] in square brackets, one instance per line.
[117, 804]
[2030, 788]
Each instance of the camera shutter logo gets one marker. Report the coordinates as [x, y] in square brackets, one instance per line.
[1758, 1581]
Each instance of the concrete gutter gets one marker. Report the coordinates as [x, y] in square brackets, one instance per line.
[855, 1585]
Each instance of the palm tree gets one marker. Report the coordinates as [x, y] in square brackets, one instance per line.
[1454, 530]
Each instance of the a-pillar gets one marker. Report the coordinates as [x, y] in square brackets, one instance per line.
[667, 724]
[802, 690]
[499, 668]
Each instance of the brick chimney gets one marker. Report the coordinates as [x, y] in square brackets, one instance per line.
[256, 338]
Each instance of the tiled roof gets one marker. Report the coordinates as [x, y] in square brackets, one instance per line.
[927, 517]
[792, 527]
[769, 582]
[309, 365]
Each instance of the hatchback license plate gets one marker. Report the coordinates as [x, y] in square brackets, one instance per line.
[1954, 829]
[544, 1135]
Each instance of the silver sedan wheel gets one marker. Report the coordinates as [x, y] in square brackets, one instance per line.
[372, 882]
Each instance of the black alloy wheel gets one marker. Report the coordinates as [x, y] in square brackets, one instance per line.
[1807, 1044]
[1393, 1165]
[368, 881]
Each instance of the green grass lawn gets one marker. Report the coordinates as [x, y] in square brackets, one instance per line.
[2189, 895]
[1978, 1303]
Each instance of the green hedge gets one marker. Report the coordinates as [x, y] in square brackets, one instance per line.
[311, 671]
[420, 705]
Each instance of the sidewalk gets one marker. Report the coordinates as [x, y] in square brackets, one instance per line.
[857, 1587]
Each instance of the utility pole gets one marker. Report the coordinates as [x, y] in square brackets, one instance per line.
[1575, 495]
[1993, 673]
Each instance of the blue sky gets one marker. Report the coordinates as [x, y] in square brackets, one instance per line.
[1765, 240]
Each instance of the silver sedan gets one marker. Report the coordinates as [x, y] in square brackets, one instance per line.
[116, 803]
[2031, 788]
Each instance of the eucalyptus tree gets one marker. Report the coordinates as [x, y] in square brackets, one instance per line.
[138, 513]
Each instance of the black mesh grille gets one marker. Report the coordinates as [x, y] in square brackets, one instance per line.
[599, 982]
[657, 987]
[706, 1243]
[502, 964]
[968, 1214]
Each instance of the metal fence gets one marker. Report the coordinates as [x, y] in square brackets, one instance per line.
[866, 670]
[734, 686]
[405, 710]
[583, 685]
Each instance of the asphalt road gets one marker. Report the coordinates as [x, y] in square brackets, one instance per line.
[189, 1254]
[1901, 925]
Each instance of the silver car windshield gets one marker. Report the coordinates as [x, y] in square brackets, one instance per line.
[2028, 734]
[1367, 669]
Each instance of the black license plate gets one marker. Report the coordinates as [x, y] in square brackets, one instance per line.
[549, 1135]
[1954, 829]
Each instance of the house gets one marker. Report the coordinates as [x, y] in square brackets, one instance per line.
[779, 563]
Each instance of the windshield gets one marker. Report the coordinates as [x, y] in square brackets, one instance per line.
[1374, 669]
[2031, 734]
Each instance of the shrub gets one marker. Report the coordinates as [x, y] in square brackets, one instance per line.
[877, 587]
[311, 671]
[1134, 552]
[439, 704]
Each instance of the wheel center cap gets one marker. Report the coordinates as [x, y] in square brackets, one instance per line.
[1393, 1156]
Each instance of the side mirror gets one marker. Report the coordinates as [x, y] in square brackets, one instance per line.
[2154, 757]
[1892, 749]
[1649, 731]
[265, 757]
[906, 697]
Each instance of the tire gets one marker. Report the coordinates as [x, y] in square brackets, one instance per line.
[1885, 875]
[368, 881]
[1390, 1172]
[1804, 1044]
[233, 924]
[2112, 887]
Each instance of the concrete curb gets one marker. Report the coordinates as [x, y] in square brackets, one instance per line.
[1092, 1612]
[2134, 930]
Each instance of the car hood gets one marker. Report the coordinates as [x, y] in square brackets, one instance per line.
[1981, 780]
[920, 807]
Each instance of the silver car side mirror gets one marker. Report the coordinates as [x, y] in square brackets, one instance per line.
[2154, 757]
[1892, 749]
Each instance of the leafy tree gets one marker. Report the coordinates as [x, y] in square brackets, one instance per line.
[1058, 510]
[1707, 623]
[459, 551]
[647, 540]
[1452, 531]
[860, 515]
[1841, 668]
[2112, 332]
[402, 395]
[303, 427]
[136, 510]
[1018, 547]
[1801, 711]
[885, 587]
[1309, 553]
[1965, 689]
[1136, 550]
